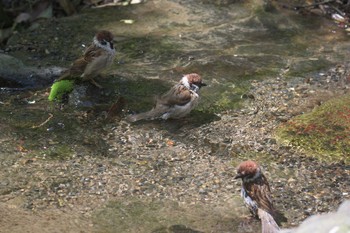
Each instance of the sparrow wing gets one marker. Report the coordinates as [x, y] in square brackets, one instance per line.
[177, 95]
[75, 71]
[92, 52]
[259, 191]
[78, 67]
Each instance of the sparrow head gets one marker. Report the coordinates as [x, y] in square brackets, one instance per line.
[104, 39]
[192, 81]
[248, 171]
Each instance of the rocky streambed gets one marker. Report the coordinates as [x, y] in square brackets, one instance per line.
[65, 168]
[170, 176]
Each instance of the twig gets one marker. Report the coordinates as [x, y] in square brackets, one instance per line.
[337, 10]
[315, 4]
[47, 120]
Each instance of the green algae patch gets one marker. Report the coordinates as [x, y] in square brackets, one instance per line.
[323, 133]
[132, 214]
[56, 152]
[58, 89]
[300, 67]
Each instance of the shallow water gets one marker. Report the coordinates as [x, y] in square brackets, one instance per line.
[227, 44]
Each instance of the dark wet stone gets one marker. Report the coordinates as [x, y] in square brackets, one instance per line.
[15, 74]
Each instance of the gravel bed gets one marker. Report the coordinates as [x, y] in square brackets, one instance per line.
[193, 164]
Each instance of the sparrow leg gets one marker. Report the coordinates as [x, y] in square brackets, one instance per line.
[95, 83]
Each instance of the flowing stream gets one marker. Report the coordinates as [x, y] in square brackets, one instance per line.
[228, 44]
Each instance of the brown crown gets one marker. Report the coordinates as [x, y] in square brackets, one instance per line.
[248, 168]
[104, 35]
[194, 78]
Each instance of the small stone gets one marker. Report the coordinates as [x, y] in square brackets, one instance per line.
[203, 191]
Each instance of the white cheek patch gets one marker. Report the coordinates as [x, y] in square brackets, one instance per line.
[105, 47]
[96, 42]
[184, 81]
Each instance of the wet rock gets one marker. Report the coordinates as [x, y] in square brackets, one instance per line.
[87, 96]
[15, 74]
[76, 97]
[338, 222]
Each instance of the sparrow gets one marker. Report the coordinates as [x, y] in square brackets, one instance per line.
[177, 102]
[96, 58]
[257, 195]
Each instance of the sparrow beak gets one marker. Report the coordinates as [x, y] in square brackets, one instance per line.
[203, 85]
[239, 175]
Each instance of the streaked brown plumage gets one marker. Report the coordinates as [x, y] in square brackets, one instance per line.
[177, 102]
[257, 195]
[95, 59]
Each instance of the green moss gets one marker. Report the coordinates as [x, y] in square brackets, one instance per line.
[59, 88]
[324, 132]
[141, 93]
[133, 215]
[305, 66]
[130, 214]
[157, 49]
[55, 152]
[60, 152]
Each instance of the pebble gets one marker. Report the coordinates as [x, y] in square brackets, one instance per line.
[200, 166]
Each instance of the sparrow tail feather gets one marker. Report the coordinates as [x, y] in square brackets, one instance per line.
[142, 116]
[268, 223]
[65, 75]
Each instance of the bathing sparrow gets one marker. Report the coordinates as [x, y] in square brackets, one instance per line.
[97, 57]
[177, 102]
[257, 195]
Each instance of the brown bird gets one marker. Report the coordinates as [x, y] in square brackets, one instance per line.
[257, 195]
[177, 102]
[96, 58]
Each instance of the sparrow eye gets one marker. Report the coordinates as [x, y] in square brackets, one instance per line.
[103, 42]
